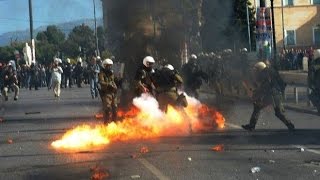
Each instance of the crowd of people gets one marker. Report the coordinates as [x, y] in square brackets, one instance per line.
[62, 74]
[292, 59]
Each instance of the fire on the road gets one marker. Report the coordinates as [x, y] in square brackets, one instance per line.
[145, 121]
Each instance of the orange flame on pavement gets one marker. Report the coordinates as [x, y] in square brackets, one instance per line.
[218, 148]
[137, 124]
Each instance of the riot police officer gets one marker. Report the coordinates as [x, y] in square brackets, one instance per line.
[143, 81]
[268, 91]
[193, 76]
[167, 82]
[108, 91]
[314, 80]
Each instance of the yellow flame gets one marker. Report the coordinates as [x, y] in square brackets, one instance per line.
[142, 125]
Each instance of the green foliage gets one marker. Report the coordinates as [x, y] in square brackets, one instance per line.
[6, 53]
[45, 52]
[54, 35]
[106, 54]
[224, 27]
[101, 38]
[81, 36]
[49, 44]
[240, 20]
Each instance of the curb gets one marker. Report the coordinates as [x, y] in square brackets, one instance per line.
[302, 110]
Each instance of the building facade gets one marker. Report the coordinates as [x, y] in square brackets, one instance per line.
[297, 22]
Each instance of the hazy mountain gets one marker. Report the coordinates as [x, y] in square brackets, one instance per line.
[24, 35]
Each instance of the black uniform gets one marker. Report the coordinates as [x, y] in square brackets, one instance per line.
[193, 75]
[78, 72]
[34, 76]
[268, 91]
[314, 83]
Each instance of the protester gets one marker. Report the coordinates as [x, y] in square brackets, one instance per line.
[56, 77]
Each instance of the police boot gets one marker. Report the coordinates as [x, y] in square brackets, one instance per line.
[107, 117]
[253, 120]
[248, 127]
[114, 115]
[291, 127]
[283, 118]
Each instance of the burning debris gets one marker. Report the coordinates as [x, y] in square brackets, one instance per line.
[99, 173]
[218, 148]
[144, 150]
[144, 121]
[10, 141]
[99, 116]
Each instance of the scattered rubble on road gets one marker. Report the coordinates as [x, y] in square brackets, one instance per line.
[255, 170]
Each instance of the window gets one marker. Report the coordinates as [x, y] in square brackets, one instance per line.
[290, 37]
[288, 2]
[315, 1]
[316, 36]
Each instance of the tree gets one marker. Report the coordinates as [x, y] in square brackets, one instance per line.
[54, 35]
[101, 38]
[49, 44]
[240, 21]
[225, 24]
[6, 53]
[81, 36]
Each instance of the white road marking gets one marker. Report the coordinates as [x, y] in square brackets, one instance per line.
[153, 169]
[307, 149]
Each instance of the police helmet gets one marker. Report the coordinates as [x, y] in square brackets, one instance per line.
[107, 62]
[148, 60]
[260, 66]
[79, 60]
[193, 56]
[316, 53]
[169, 66]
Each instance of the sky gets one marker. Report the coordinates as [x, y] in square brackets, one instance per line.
[14, 14]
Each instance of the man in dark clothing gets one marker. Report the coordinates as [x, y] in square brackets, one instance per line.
[78, 72]
[314, 80]
[193, 76]
[10, 82]
[167, 81]
[67, 71]
[268, 91]
[34, 76]
[93, 70]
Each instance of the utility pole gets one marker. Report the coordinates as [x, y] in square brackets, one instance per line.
[274, 35]
[283, 33]
[31, 28]
[248, 21]
[95, 29]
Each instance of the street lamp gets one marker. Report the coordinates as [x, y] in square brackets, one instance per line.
[95, 28]
[273, 34]
[31, 27]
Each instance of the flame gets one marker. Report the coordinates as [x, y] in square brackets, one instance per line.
[144, 121]
[99, 173]
[218, 148]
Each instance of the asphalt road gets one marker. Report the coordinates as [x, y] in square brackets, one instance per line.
[37, 119]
